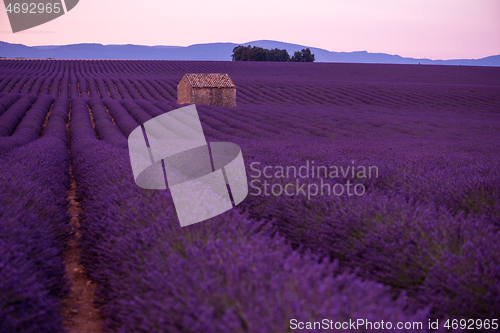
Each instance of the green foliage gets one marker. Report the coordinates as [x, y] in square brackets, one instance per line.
[255, 53]
[303, 56]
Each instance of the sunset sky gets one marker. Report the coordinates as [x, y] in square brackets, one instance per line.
[435, 29]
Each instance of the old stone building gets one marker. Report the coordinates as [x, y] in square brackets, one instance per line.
[211, 89]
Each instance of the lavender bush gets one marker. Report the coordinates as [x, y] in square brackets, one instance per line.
[13, 116]
[30, 127]
[34, 230]
[223, 275]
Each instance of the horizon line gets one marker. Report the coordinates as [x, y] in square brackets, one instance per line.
[259, 40]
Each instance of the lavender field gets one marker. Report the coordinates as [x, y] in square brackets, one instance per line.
[421, 242]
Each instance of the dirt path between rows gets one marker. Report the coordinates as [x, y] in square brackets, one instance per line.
[80, 313]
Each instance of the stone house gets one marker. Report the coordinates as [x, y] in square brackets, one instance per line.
[211, 88]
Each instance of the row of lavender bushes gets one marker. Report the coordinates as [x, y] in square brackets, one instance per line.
[428, 224]
[265, 72]
[34, 225]
[354, 85]
[74, 83]
[229, 274]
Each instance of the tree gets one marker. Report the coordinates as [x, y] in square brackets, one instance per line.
[259, 54]
[303, 56]
[307, 56]
[249, 53]
[238, 53]
[297, 57]
[278, 55]
[284, 56]
[255, 53]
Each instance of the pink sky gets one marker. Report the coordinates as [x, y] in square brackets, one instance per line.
[435, 29]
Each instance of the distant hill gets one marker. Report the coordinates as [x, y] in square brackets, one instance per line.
[213, 51]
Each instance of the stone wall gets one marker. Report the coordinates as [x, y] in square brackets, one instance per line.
[215, 96]
[184, 92]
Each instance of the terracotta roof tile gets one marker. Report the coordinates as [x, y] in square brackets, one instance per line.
[209, 80]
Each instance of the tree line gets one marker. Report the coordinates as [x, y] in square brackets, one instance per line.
[255, 53]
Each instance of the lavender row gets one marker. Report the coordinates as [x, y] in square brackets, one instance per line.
[34, 229]
[164, 93]
[13, 116]
[265, 72]
[125, 122]
[111, 126]
[120, 87]
[9, 84]
[80, 122]
[110, 88]
[294, 90]
[6, 102]
[30, 126]
[105, 127]
[147, 90]
[427, 224]
[224, 275]
[20, 84]
[139, 115]
[447, 260]
[37, 85]
[57, 120]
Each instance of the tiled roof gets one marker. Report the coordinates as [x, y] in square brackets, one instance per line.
[209, 80]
